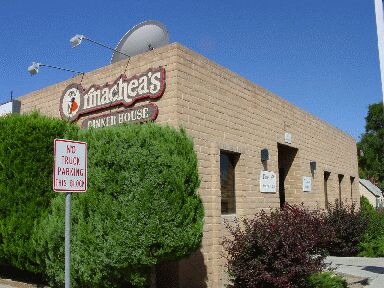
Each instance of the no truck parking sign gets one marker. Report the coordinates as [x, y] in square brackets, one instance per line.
[70, 169]
[69, 175]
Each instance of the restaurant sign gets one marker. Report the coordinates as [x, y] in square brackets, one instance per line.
[138, 114]
[77, 101]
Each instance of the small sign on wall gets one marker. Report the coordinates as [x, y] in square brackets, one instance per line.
[267, 181]
[307, 184]
[288, 138]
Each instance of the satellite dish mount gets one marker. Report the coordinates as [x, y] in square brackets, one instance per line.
[143, 37]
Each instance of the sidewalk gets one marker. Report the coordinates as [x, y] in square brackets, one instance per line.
[370, 268]
[360, 268]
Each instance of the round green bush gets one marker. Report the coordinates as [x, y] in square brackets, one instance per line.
[141, 208]
[26, 164]
[326, 280]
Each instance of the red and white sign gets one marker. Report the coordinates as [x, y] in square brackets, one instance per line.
[70, 168]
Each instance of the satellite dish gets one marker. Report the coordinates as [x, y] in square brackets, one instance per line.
[143, 37]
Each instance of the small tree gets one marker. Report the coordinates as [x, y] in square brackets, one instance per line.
[280, 250]
[141, 208]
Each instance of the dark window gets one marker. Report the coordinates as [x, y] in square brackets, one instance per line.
[352, 182]
[227, 180]
[340, 176]
[326, 177]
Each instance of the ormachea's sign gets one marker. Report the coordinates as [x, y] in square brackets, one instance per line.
[77, 101]
[137, 114]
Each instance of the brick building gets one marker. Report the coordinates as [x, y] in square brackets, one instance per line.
[231, 120]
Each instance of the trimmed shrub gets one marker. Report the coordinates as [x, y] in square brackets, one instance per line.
[141, 208]
[374, 218]
[280, 250]
[372, 247]
[349, 227]
[26, 163]
[326, 280]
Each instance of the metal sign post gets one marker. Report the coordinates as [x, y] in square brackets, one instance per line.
[68, 240]
[70, 175]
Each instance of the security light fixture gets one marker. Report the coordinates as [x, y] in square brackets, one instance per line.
[77, 39]
[264, 154]
[312, 164]
[34, 68]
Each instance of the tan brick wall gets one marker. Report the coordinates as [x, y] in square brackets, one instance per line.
[223, 111]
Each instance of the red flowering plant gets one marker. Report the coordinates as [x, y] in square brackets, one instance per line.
[280, 249]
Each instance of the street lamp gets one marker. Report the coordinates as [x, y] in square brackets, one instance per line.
[34, 68]
[77, 39]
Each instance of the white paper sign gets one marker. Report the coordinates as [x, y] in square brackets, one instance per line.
[288, 138]
[267, 181]
[307, 184]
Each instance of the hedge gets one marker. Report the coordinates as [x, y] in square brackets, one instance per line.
[26, 161]
[141, 208]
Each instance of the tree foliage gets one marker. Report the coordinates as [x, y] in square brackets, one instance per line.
[141, 208]
[371, 161]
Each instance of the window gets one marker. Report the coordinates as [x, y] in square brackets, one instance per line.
[340, 176]
[227, 180]
[352, 182]
[326, 177]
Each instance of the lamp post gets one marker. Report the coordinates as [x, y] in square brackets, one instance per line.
[34, 68]
[77, 39]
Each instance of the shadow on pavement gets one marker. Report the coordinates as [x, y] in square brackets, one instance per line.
[374, 269]
[14, 274]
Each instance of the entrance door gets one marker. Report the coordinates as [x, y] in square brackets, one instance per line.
[288, 173]
[281, 187]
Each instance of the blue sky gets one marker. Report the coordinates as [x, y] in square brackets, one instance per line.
[320, 55]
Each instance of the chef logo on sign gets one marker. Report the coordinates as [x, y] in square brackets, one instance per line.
[76, 101]
[71, 103]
